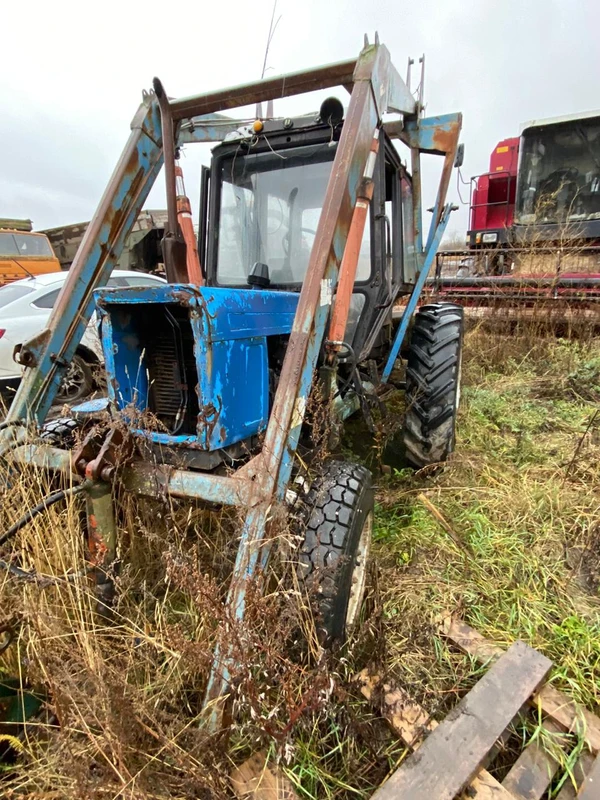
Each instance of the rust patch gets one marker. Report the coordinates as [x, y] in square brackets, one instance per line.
[96, 544]
[445, 140]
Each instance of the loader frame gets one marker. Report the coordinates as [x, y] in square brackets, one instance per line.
[376, 88]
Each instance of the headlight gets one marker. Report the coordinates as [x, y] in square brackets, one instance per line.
[490, 238]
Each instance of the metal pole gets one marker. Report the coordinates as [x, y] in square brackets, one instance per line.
[173, 243]
[416, 293]
[102, 543]
[49, 354]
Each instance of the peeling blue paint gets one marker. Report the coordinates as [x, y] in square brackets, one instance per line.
[230, 329]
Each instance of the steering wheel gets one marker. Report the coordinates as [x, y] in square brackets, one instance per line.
[275, 218]
[286, 239]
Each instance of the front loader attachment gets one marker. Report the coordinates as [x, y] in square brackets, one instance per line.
[195, 357]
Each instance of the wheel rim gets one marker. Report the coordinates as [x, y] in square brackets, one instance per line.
[73, 382]
[359, 573]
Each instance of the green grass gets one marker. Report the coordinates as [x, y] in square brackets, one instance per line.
[528, 516]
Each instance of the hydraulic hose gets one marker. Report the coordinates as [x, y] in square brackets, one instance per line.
[16, 571]
[56, 497]
[10, 423]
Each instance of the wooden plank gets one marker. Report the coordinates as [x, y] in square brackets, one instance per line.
[562, 709]
[406, 718]
[254, 780]
[470, 641]
[452, 754]
[590, 789]
[580, 770]
[485, 787]
[532, 772]
[570, 715]
[409, 721]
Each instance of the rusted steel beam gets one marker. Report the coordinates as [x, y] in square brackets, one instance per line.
[447, 137]
[102, 542]
[211, 128]
[48, 355]
[40, 455]
[343, 297]
[295, 383]
[437, 136]
[415, 164]
[173, 244]
[293, 83]
[161, 481]
[321, 278]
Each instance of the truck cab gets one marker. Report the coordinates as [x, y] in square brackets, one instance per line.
[542, 188]
[24, 254]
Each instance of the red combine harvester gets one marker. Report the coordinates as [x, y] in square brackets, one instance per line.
[534, 225]
[493, 197]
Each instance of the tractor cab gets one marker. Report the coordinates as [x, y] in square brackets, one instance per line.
[264, 196]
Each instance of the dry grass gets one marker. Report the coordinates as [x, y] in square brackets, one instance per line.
[122, 698]
[121, 714]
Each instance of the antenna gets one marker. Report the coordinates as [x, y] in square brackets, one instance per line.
[272, 27]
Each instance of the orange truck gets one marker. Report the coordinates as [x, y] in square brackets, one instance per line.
[24, 253]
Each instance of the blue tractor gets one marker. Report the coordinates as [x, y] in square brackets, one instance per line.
[310, 237]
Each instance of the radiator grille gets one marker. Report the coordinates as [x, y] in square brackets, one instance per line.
[172, 369]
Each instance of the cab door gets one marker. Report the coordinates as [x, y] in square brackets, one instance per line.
[378, 283]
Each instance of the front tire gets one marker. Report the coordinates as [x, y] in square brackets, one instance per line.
[433, 384]
[338, 522]
[61, 432]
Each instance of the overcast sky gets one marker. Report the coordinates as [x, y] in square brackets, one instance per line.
[72, 75]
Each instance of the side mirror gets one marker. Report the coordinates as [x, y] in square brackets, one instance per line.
[460, 156]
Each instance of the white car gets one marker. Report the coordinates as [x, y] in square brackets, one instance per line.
[25, 307]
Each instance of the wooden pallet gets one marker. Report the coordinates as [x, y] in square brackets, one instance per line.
[255, 779]
[449, 759]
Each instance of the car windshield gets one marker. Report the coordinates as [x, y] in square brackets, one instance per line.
[23, 245]
[12, 292]
[270, 208]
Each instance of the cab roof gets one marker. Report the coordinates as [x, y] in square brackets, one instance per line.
[538, 123]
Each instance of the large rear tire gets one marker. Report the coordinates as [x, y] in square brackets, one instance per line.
[338, 521]
[433, 384]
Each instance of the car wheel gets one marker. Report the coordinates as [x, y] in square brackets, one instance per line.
[77, 382]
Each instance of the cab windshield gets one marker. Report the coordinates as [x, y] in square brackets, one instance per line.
[269, 211]
[23, 245]
[559, 174]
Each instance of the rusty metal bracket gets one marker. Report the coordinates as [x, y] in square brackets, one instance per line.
[98, 456]
[102, 543]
